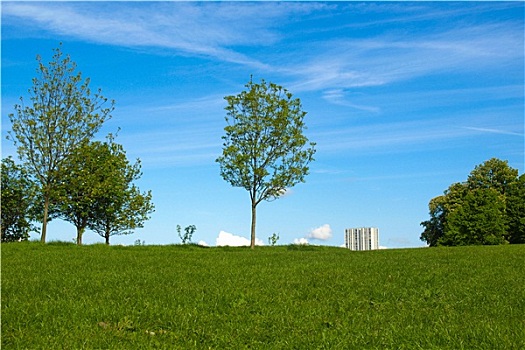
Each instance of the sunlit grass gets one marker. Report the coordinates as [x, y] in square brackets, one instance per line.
[65, 296]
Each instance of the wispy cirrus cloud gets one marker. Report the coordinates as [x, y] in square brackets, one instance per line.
[405, 13]
[386, 59]
[336, 66]
[494, 131]
[160, 148]
[180, 28]
[187, 28]
[219, 30]
[341, 98]
[405, 135]
[198, 104]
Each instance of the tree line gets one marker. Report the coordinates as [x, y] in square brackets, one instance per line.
[64, 173]
[90, 184]
[487, 209]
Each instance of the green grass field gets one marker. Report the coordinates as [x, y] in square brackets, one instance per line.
[61, 296]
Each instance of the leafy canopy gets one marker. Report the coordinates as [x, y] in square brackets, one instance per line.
[265, 150]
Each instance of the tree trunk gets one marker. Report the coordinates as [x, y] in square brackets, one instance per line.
[107, 236]
[44, 219]
[254, 218]
[80, 232]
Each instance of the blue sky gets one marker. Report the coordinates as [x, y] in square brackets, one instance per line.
[403, 99]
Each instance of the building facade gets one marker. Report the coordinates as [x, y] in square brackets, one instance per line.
[362, 238]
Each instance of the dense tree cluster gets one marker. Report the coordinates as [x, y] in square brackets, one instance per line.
[64, 173]
[487, 209]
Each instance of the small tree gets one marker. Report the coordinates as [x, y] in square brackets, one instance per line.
[121, 207]
[97, 191]
[124, 215]
[188, 233]
[63, 115]
[82, 185]
[272, 240]
[18, 192]
[265, 150]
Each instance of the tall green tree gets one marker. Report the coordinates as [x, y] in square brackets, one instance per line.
[18, 193]
[265, 150]
[63, 114]
[121, 207]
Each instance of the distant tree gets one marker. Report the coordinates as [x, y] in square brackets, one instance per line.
[138, 242]
[265, 150]
[486, 209]
[18, 192]
[516, 210]
[63, 115]
[188, 233]
[272, 240]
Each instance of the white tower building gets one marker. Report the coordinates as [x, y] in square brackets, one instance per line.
[362, 238]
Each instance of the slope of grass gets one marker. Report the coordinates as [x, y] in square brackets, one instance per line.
[60, 296]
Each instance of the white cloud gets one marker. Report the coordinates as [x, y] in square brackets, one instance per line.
[286, 192]
[228, 239]
[321, 233]
[399, 136]
[203, 243]
[300, 241]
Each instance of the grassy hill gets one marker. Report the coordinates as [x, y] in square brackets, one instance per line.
[61, 296]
